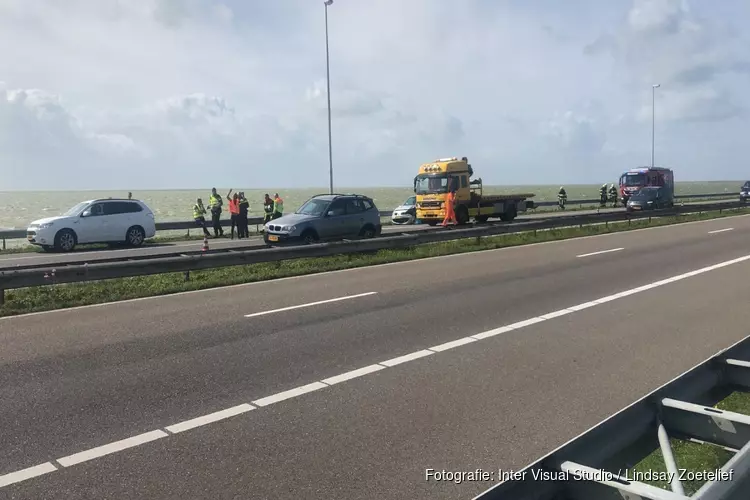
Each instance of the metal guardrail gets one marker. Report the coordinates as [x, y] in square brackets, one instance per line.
[584, 468]
[595, 201]
[50, 275]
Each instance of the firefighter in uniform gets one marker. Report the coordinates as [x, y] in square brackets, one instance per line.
[562, 198]
[603, 195]
[267, 209]
[613, 195]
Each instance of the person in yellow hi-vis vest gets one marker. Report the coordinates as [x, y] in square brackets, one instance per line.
[278, 206]
[199, 215]
[214, 204]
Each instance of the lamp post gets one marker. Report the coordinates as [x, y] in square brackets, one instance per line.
[653, 120]
[327, 4]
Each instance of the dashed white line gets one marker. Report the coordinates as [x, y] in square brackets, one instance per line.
[721, 230]
[310, 304]
[453, 344]
[209, 419]
[291, 393]
[353, 374]
[600, 252]
[299, 391]
[110, 448]
[492, 333]
[23, 475]
[406, 358]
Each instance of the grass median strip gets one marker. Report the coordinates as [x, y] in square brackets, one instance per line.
[77, 294]
[690, 456]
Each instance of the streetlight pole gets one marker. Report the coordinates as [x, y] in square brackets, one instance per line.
[327, 4]
[653, 120]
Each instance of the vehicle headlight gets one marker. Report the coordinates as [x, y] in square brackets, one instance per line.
[288, 228]
[45, 225]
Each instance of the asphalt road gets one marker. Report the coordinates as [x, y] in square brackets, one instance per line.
[75, 380]
[25, 259]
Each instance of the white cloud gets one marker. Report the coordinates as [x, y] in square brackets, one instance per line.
[190, 93]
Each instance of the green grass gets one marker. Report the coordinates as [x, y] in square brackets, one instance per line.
[76, 294]
[692, 456]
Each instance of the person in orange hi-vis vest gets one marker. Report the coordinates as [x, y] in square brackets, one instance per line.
[450, 209]
[234, 211]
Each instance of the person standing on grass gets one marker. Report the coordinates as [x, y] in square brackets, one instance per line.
[214, 204]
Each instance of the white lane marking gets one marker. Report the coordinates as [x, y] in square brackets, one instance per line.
[557, 314]
[492, 333]
[151, 436]
[23, 475]
[453, 344]
[110, 448]
[406, 358]
[721, 230]
[209, 419]
[353, 374]
[600, 252]
[528, 322]
[292, 393]
[310, 304]
[221, 289]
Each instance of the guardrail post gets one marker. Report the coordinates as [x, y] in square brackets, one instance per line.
[187, 275]
[3, 243]
[2, 296]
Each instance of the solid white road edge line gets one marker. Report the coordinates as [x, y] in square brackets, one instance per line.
[600, 252]
[282, 396]
[310, 304]
[721, 230]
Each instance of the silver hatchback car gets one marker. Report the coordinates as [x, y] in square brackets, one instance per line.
[326, 218]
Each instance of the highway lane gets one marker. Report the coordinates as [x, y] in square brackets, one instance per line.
[77, 379]
[23, 259]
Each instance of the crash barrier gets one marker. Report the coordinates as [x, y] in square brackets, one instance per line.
[596, 201]
[17, 234]
[12, 278]
[593, 466]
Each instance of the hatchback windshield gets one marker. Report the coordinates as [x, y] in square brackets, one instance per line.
[315, 207]
[411, 201]
[76, 210]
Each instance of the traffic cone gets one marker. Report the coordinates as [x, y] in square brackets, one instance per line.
[205, 244]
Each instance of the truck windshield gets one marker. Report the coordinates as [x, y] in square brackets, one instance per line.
[431, 184]
[633, 180]
[313, 207]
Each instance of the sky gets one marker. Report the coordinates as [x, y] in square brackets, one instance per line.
[178, 94]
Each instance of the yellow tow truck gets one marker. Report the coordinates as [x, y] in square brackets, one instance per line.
[436, 179]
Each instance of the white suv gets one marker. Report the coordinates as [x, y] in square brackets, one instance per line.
[96, 221]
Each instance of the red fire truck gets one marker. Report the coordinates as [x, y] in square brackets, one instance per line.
[636, 178]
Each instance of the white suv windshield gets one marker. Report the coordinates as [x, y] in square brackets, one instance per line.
[75, 210]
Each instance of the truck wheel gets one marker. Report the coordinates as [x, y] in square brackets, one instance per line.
[509, 215]
[432, 223]
[462, 215]
[482, 218]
